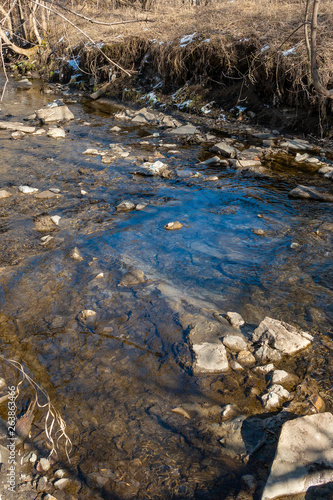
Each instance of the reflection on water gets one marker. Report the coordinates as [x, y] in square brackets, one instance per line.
[117, 377]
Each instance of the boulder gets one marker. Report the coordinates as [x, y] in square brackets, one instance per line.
[304, 456]
[277, 338]
[54, 114]
[310, 193]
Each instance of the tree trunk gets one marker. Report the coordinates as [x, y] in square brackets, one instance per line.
[314, 68]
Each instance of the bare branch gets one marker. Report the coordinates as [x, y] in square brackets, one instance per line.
[84, 34]
[314, 68]
[15, 48]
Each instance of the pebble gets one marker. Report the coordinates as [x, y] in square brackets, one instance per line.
[140, 206]
[56, 132]
[43, 465]
[4, 194]
[294, 245]
[115, 129]
[87, 314]
[60, 473]
[228, 412]
[17, 135]
[55, 219]
[27, 189]
[75, 254]
[263, 370]
[259, 232]
[173, 226]
[235, 366]
[83, 192]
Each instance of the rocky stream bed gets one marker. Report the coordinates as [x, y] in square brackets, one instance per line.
[167, 280]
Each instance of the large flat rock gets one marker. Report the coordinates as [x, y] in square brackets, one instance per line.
[17, 127]
[304, 456]
[210, 358]
[54, 114]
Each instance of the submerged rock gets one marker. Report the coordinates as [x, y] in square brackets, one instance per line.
[134, 277]
[173, 226]
[304, 456]
[76, 255]
[310, 193]
[45, 195]
[277, 338]
[125, 206]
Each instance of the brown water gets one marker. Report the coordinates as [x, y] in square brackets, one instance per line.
[116, 378]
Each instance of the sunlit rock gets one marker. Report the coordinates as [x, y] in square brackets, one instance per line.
[235, 319]
[235, 343]
[54, 114]
[56, 132]
[210, 358]
[310, 193]
[76, 255]
[4, 194]
[275, 396]
[134, 277]
[173, 226]
[304, 456]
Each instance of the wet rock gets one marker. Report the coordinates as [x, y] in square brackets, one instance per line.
[249, 482]
[17, 135]
[55, 219]
[259, 232]
[45, 240]
[316, 404]
[27, 189]
[277, 338]
[235, 319]
[76, 255]
[210, 358]
[247, 163]
[56, 132]
[115, 129]
[125, 206]
[214, 161]
[39, 131]
[235, 343]
[44, 223]
[134, 277]
[45, 195]
[274, 398]
[304, 456]
[224, 149]
[232, 440]
[95, 480]
[169, 122]
[181, 411]
[140, 206]
[310, 193]
[185, 130]
[54, 114]
[157, 168]
[294, 246]
[296, 145]
[246, 358]
[16, 126]
[228, 412]
[24, 84]
[326, 171]
[173, 226]
[4, 194]
[87, 314]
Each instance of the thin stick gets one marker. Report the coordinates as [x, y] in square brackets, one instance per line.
[4, 71]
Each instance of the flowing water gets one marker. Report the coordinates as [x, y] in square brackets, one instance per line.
[116, 378]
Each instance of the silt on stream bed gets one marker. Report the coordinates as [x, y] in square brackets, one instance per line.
[116, 376]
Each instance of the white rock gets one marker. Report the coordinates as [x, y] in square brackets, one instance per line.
[83, 192]
[278, 338]
[33, 457]
[235, 319]
[275, 397]
[60, 473]
[44, 464]
[75, 254]
[56, 132]
[210, 358]
[235, 366]
[39, 131]
[263, 370]
[92, 152]
[27, 189]
[100, 275]
[87, 313]
[55, 219]
[17, 135]
[62, 483]
[115, 129]
[156, 168]
[173, 226]
[17, 126]
[54, 114]
[235, 343]
[304, 456]
[4, 194]
[281, 377]
[140, 206]
[185, 130]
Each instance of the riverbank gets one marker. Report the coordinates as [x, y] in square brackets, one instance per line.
[241, 58]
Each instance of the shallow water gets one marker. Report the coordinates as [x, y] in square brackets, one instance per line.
[116, 378]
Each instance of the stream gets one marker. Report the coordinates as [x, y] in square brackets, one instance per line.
[116, 376]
